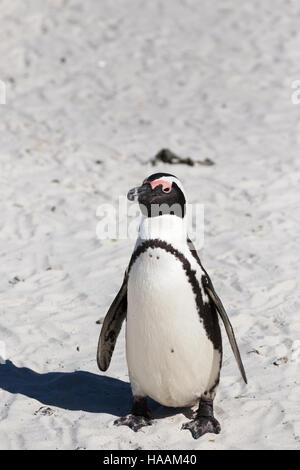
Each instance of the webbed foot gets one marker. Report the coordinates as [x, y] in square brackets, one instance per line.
[201, 425]
[133, 421]
[203, 420]
[139, 417]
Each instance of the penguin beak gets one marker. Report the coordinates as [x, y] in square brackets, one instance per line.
[135, 193]
[132, 195]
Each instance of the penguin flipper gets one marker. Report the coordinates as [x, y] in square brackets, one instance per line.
[111, 327]
[229, 330]
[209, 288]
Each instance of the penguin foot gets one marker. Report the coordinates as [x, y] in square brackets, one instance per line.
[201, 425]
[203, 420]
[135, 422]
[139, 417]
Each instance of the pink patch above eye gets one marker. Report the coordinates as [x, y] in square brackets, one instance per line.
[166, 186]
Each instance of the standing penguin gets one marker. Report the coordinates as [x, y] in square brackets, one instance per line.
[173, 338]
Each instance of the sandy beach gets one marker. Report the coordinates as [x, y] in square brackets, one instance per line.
[93, 91]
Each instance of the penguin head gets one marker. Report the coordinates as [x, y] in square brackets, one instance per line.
[160, 194]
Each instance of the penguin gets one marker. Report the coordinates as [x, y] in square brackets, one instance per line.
[173, 336]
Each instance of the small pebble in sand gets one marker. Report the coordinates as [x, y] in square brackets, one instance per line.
[15, 280]
[253, 351]
[280, 361]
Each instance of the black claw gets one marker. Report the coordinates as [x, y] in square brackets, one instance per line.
[133, 421]
[201, 425]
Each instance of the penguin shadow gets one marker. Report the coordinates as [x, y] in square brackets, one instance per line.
[77, 391]
[159, 411]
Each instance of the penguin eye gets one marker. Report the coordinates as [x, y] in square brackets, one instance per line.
[167, 190]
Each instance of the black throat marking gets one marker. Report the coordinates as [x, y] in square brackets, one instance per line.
[206, 311]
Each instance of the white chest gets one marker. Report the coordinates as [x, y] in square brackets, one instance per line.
[169, 355]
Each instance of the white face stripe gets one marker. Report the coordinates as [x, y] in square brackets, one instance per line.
[171, 179]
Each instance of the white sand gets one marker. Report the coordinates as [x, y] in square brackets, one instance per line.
[117, 81]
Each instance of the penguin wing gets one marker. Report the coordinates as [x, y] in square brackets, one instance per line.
[111, 327]
[229, 330]
[210, 290]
